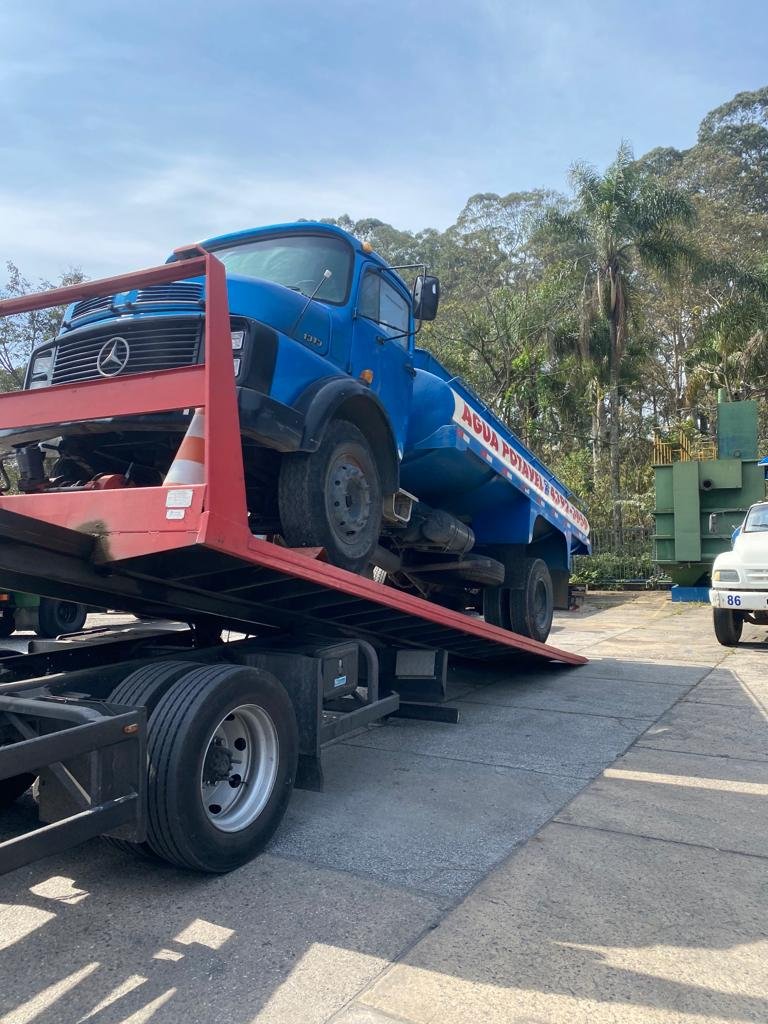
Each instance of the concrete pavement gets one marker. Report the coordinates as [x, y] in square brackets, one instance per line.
[586, 845]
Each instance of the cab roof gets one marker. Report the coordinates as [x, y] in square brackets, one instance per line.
[301, 227]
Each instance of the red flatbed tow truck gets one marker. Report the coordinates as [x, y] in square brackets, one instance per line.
[167, 740]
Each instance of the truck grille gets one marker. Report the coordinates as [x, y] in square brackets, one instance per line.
[180, 293]
[97, 305]
[157, 344]
[758, 576]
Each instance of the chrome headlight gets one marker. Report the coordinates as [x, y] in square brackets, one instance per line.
[41, 370]
[725, 576]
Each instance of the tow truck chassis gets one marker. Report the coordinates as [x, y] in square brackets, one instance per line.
[186, 553]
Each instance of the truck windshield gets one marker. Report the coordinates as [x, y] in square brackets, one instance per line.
[757, 519]
[296, 261]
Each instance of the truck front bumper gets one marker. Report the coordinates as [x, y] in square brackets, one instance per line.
[746, 600]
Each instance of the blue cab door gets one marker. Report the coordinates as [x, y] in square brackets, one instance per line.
[382, 341]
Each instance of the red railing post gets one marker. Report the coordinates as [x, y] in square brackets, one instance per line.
[224, 470]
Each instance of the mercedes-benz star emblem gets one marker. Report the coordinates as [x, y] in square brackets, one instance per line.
[113, 357]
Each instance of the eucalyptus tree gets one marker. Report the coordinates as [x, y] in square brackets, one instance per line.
[621, 222]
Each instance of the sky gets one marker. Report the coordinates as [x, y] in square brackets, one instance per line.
[130, 128]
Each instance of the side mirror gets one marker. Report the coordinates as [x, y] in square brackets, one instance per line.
[426, 297]
[713, 522]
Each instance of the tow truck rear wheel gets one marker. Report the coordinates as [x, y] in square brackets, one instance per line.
[223, 750]
[728, 626]
[331, 498]
[143, 689]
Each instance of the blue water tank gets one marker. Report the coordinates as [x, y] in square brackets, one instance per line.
[432, 407]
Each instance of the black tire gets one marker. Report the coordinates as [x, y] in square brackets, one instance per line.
[496, 607]
[531, 606]
[144, 688]
[11, 789]
[496, 600]
[7, 624]
[181, 738]
[55, 617]
[728, 626]
[331, 498]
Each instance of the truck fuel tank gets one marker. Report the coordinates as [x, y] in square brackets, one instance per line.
[433, 529]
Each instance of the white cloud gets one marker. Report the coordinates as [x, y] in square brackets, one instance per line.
[138, 220]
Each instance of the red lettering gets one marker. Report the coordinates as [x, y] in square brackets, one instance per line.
[505, 450]
[477, 424]
[495, 441]
[466, 415]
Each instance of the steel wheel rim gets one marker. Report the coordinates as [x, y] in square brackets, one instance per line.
[239, 768]
[540, 603]
[348, 498]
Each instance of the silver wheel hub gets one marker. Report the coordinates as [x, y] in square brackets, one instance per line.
[349, 498]
[239, 768]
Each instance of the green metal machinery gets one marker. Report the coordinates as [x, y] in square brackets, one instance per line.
[696, 478]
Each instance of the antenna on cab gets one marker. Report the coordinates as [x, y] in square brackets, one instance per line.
[327, 275]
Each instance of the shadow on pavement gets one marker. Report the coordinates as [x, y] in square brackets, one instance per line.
[608, 910]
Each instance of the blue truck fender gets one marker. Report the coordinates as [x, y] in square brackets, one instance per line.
[345, 398]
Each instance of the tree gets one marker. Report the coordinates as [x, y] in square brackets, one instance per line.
[731, 348]
[621, 222]
[738, 130]
[22, 333]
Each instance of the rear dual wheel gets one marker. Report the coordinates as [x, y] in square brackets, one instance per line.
[222, 750]
[527, 607]
[143, 689]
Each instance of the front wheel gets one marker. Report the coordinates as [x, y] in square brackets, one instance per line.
[728, 626]
[331, 498]
[223, 750]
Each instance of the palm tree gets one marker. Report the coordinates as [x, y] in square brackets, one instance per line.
[621, 222]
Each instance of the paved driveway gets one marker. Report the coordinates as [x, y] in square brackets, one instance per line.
[392, 895]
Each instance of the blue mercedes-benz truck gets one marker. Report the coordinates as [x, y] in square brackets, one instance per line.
[354, 439]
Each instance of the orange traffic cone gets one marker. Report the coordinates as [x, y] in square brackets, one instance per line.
[188, 467]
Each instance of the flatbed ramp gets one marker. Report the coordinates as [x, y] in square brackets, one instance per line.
[264, 589]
